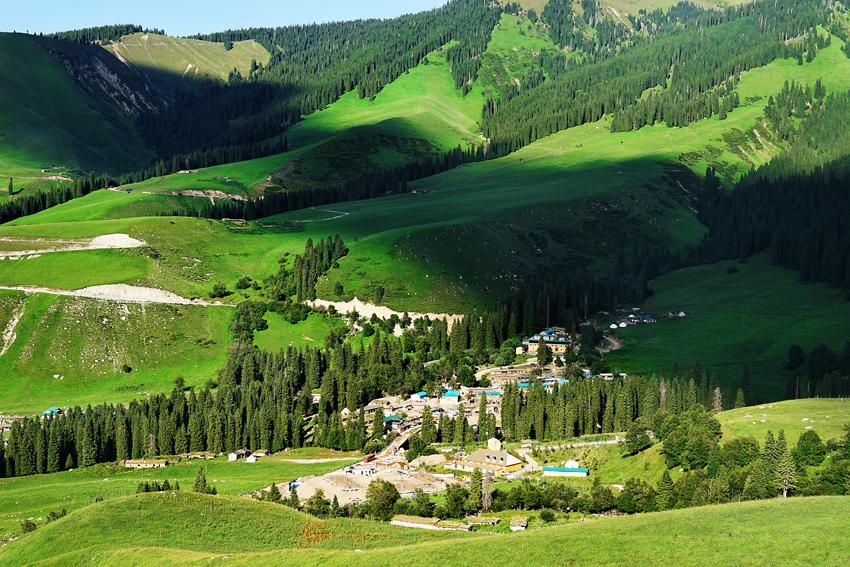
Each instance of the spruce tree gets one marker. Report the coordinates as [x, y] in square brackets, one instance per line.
[429, 430]
[739, 399]
[756, 485]
[378, 424]
[785, 470]
[294, 501]
[273, 495]
[666, 497]
[200, 485]
[476, 488]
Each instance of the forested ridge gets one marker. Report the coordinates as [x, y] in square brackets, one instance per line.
[797, 205]
[310, 67]
[695, 51]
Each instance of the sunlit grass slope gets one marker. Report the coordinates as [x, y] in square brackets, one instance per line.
[36, 496]
[182, 61]
[73, 351]
[574, 198]
[826, 417]
[207, 529]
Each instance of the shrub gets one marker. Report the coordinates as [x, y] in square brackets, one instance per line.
[547, 516]
[731, 270]
[28, 526]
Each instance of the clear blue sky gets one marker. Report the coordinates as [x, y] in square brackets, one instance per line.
[187, 17]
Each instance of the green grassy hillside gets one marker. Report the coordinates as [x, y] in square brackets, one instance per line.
[46, 118]
[203, 529]
[70, 351]
[750, 316]
[37, 495]
[181, 62]
[827, 417]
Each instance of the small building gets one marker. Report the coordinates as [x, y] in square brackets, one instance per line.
[52, 412]
[564, 471]
[570, 468]
[251, 459]
[419, 397]
[238, 454]
[450, 397]
[519, 523]
[144, 463]
[393, 422]
[428, 523]
[497, 462]
[494, 444]
[365, 471]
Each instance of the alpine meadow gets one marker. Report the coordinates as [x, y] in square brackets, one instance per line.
[324, 293]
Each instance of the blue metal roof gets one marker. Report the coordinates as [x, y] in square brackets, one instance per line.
[562, 469]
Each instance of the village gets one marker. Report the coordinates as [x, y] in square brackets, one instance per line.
[402, 418]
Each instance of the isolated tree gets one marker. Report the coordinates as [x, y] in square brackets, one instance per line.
[636, 440]
[487, 491]
[11, 187]
[381, 497]
[429, 430]
[318, 505]
[476, 488]
[219, 289]
[293, 501]
[200, 484]
[336, 511]
[273, 495]
[666, 497]
[544, 353]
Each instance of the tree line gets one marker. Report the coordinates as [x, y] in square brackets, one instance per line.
[796, 204]
[104, 34]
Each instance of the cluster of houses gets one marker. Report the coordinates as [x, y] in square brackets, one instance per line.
[401, 414]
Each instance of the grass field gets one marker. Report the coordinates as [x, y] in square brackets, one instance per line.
[827, 417]
[281, 333]
[72, 351]
[183, 61]
[37, 495]
[751, 316]
[202, 530]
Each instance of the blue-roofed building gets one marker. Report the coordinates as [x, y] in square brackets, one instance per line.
[565, 471]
